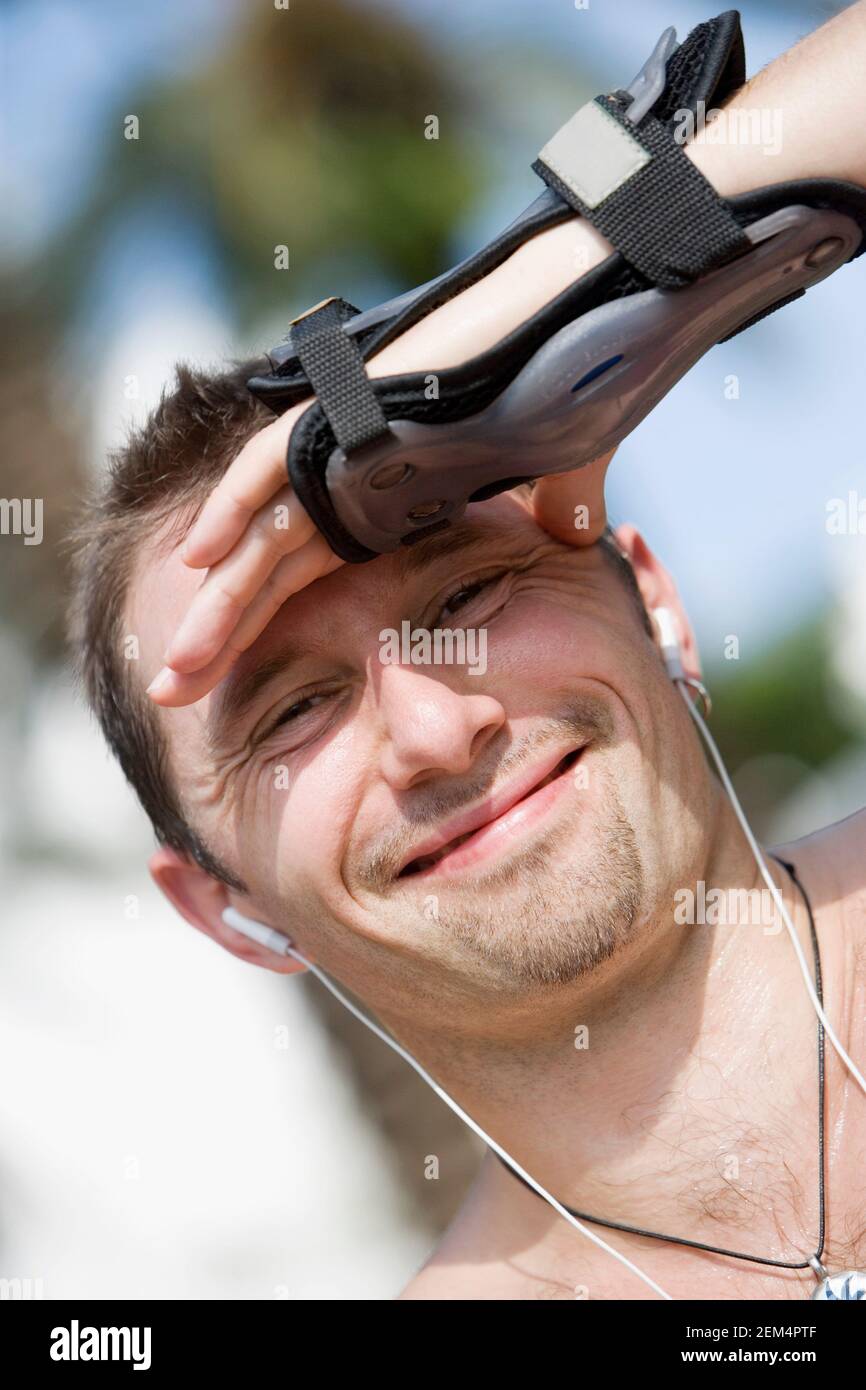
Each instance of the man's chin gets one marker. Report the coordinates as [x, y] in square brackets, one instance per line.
[546, 911]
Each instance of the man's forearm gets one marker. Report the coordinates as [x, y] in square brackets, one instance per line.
[815, 91]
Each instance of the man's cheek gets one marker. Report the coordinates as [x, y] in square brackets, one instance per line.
[542, 634]
[311, 817]
[254, 819]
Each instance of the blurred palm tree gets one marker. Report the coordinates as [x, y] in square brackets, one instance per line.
[306, 130]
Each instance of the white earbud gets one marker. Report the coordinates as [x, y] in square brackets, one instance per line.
[669, 642]
[673, 657]
[257, 931]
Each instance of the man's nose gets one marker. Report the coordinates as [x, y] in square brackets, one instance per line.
[432, 726]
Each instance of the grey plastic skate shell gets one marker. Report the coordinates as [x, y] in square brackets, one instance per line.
[587, 388]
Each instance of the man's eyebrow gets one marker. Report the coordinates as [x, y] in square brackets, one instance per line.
[241, 688]
[465, 535]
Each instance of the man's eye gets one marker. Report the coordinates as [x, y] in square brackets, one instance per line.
[295, 711]
[469, 590]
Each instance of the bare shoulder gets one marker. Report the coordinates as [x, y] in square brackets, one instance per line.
[449, 1276]
[470, 1261]
[832, 865]
[839, 838]
[438, 1282]
[459, 1269]
[484, 1256]
[474, 1281]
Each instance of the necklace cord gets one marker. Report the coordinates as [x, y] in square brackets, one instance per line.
[717, 1250]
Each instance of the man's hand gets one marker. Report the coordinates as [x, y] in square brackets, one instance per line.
[254, 565]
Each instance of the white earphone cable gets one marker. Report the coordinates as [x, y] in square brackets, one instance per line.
[768, 879]
[468, 1120]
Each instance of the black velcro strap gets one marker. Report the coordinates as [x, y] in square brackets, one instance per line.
[708, 66]
[335, 370]
[662, 216]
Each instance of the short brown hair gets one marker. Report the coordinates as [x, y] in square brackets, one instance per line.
[163, 474]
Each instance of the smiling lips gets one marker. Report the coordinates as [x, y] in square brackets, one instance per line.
[487, 828]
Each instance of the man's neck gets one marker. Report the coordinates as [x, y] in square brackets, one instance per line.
[675, 1090]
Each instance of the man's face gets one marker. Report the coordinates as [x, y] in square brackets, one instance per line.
[335, 780]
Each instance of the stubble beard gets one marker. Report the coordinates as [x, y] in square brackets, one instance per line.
[537, 919]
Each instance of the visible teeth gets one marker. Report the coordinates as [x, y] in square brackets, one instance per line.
[428, 859]
[417, 865]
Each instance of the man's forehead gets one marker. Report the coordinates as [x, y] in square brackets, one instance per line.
[163, 586]
[326, 615]
[343, 601]
[287, 641]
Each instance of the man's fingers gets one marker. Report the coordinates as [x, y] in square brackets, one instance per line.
[291, 574]
[232, 583]
[248, 484]
[571, 505]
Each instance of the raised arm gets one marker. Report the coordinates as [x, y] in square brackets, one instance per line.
[813, 104]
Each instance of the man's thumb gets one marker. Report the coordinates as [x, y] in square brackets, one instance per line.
[571, 505]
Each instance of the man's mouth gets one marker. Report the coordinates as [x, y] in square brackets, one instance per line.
[488, 828]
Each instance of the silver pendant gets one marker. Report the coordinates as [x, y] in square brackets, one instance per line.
[848, 1283]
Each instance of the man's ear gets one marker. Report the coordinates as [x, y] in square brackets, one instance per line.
[202, 899]
[658, 590]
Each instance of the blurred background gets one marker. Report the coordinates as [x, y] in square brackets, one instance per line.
[173, 1123]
